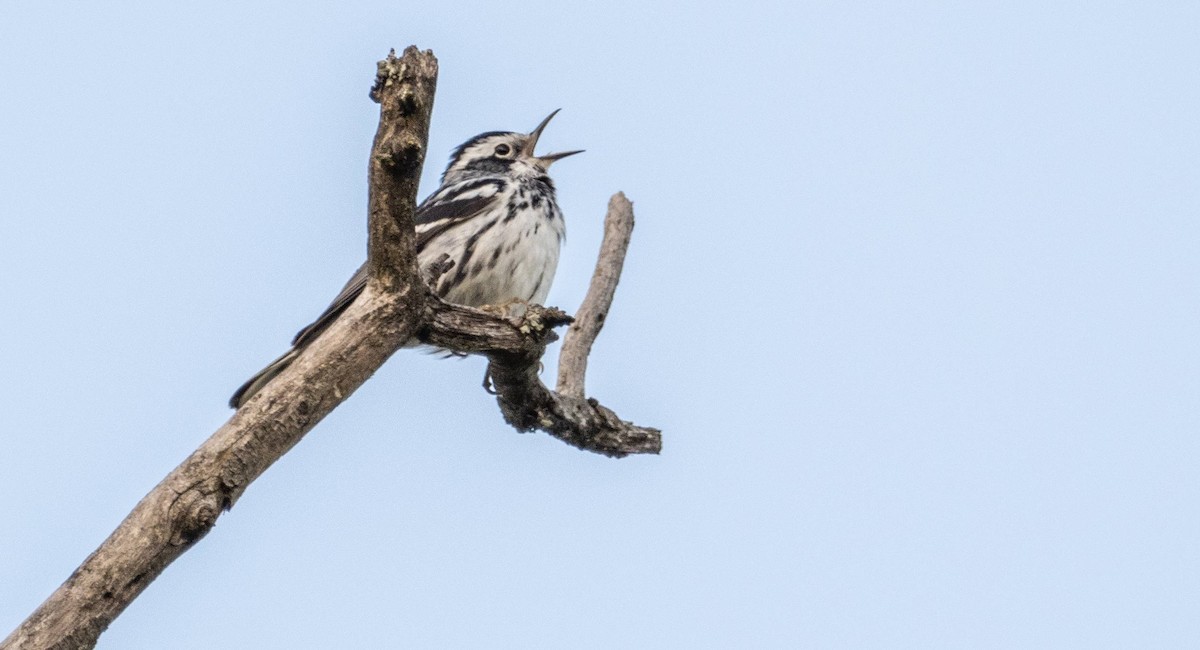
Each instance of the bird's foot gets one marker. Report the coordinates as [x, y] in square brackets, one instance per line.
[488, 386]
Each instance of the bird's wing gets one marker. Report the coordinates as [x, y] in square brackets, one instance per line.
[453, 204]
[446, 208]
[348, 294]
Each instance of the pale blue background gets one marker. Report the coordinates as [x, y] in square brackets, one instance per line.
[913, 294]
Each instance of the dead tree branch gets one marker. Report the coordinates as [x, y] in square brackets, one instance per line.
[572, 361]
[395, 307]
[514, 354]
[514, 361]
[185, 505]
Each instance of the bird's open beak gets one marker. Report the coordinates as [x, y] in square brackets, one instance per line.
[531, 143]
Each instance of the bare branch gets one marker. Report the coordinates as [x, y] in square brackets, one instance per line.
[473, 331]
[514, 351]
[584, 423]
[395, 307]
[186, 504]
[572, 361]
[404, 88]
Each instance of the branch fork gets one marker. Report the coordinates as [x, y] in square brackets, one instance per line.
[395, 307]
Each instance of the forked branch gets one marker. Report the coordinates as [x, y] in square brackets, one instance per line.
[395, 307]
[513, 365]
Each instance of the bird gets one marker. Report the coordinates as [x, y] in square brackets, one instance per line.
[495, 216]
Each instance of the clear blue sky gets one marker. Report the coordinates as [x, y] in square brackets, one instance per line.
[914, 294]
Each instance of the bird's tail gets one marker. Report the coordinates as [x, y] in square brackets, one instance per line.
[264, 376]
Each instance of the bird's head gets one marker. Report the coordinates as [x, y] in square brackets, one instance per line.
[503, 152]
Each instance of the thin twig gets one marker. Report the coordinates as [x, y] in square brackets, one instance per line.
[577, 344]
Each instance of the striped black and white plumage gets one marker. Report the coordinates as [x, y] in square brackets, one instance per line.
[495, 215]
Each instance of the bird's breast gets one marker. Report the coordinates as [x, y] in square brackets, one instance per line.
[509, 253]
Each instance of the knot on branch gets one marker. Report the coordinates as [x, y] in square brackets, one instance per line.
[235, 474]
[406, 102]
[194, 513]
[400, 155]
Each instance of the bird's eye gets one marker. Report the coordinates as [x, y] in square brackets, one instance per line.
[503, 150]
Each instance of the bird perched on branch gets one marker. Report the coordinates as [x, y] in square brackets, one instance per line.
[494, 216]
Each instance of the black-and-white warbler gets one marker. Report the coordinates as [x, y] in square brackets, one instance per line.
[496, 218]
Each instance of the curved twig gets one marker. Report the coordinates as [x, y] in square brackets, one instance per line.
[577, 345]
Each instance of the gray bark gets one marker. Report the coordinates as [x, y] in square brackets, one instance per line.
[395, 307]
